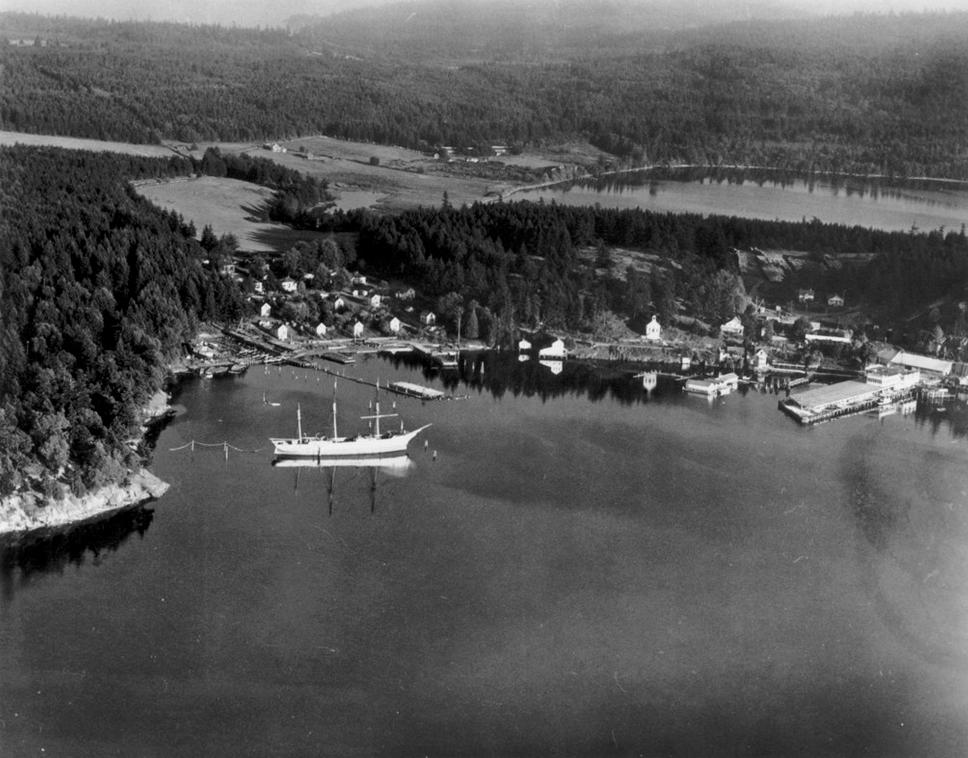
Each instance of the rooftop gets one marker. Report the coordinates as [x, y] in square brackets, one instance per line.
[834, 394]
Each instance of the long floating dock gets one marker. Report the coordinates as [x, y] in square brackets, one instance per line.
[416, 390]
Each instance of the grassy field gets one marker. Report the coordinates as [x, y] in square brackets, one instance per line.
[401, 179]
[229, 206]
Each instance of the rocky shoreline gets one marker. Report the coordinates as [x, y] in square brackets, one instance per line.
[23, 513]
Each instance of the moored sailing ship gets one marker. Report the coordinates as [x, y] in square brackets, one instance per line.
[375, 443]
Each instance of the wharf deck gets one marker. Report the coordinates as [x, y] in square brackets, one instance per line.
[416, 390]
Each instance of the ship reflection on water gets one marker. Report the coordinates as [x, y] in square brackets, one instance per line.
[371, 467]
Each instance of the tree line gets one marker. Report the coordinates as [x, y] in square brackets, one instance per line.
[535, 263]
[99, 289]
[758, 94]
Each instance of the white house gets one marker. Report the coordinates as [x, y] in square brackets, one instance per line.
[321, 329]
[733, 327]
[761, 360]
[805, 296]
[524, 346]
[835, 301]
[258, 287]
[394, 325]
[892, 377]
[282, 333]
[428, 318]
[339, 304]
[375, 300]
[265, 311]
[288, 284]
[720, 385]
[555, 351]
[357, 330]
[653, 331]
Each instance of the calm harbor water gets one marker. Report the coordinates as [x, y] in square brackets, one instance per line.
[896, 206]
[583, 570]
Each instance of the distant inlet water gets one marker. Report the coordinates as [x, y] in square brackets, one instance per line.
[891, 205]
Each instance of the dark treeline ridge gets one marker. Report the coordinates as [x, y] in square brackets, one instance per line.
[885, 94]
[98, 289]
[526, 262]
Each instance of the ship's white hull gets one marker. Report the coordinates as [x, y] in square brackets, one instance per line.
[390, 444]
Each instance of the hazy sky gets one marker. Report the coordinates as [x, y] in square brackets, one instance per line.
[275, 12]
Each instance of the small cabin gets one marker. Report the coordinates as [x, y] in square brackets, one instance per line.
[265, 311]
[835, 301]
[282, 333]
[524, 346]
[761, 360]
[394, 325]
[428, 318]
[339, 304]
[375, 300]
[805, 296]
[653, 330]
[258, 287]
[321, 329]
[555, 351]
[733, 327]
[357, 330]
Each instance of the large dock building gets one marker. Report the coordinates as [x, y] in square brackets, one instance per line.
[882, 385]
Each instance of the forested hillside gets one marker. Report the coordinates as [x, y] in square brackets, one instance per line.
[98, 288]
[868, 94]
[514, 263]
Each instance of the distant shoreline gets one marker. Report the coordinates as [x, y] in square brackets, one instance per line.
[727, 167]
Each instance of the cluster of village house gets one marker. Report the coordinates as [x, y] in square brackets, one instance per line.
[365, 309]
[806, 296]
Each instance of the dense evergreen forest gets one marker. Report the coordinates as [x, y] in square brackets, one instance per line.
[883, 94]
[531, 263]
[98, 288]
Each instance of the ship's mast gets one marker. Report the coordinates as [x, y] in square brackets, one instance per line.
[299, 421]
[377, 416]
[334, 410]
